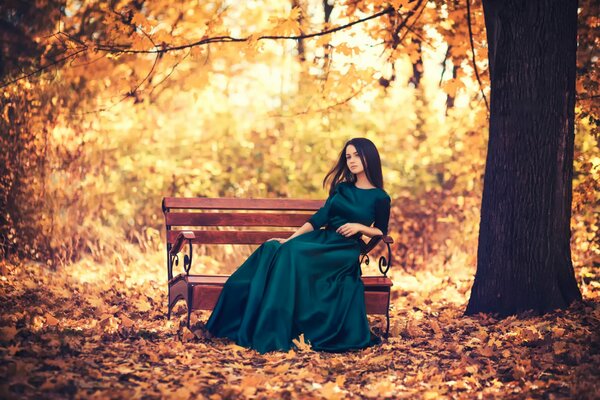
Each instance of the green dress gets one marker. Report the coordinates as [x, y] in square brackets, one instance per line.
[310, 284]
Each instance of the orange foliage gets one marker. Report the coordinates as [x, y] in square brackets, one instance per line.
[98, 330]
[148, 103]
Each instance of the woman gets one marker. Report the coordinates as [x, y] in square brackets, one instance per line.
[310, 282]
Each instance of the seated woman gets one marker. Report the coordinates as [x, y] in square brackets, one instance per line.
[310, 282]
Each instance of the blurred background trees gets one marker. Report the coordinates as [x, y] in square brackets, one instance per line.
[106, 107]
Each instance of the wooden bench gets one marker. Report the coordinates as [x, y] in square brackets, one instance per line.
[187, 218]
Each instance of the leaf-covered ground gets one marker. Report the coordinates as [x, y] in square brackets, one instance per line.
[98, 330]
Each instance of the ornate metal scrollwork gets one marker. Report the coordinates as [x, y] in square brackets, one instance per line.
[363, 259]
[173, 260]
[385, 263]
[187, 259]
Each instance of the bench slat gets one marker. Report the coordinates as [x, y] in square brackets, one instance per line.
[371, 281]
[230, 237]
[205, 279]
[205, 297]
[231, 203]
[376, 302]
[207, 289]
[235, 219]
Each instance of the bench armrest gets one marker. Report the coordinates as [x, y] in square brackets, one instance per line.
[173, 256]
[180, 241]
[384, 264]
[374, 241]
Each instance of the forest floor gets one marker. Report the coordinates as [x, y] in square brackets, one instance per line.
[98, 330]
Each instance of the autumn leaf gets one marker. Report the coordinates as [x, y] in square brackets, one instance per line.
[486, 351]
[382, 388]
[143, 305]
[187, 335]
[295, 13]
[331, 390]
[451, 86]
[109, 324]
[7, 333]
[126, 322]
[399, 3]
[51, 320]
[344, 49]
[139, 19]
[301, 343]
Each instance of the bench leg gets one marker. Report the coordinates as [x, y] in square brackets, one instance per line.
[387, 328]
[189, 312]
[189, 301]
[169, 304]
[387, 317]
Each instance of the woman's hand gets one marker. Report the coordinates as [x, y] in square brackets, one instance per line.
[280, 240]
[349, 229]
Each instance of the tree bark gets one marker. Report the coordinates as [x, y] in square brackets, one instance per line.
[417, 66]
[301, 50]
[524, 256]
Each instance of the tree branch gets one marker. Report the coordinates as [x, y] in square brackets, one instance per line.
[473, 53]
[229, 39]
[42, 68]
[164, 48]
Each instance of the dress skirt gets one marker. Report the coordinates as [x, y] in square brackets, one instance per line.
[310, 284]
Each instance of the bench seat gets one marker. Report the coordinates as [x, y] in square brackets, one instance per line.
[205, 291]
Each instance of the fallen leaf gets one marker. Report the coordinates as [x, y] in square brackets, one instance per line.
[50, 320]
[7, 333]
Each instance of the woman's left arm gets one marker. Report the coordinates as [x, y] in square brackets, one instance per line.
[370, 231]
[352, 228]
[382, 214]
[380, 226]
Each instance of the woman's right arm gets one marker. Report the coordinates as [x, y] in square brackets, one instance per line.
[307, 227]
[316, 221]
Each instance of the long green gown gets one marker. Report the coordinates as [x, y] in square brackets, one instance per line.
[310, 284]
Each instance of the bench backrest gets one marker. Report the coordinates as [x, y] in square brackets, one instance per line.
[196, 213]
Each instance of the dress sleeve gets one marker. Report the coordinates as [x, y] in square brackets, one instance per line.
[382, 214]
[319, 218]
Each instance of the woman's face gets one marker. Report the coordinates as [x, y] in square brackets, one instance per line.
[353, 160]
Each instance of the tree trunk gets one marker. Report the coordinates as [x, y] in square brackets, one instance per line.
[417, 66]
[301, 49]
[524, 256]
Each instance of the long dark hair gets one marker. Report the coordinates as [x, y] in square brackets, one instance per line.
[369, 156]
